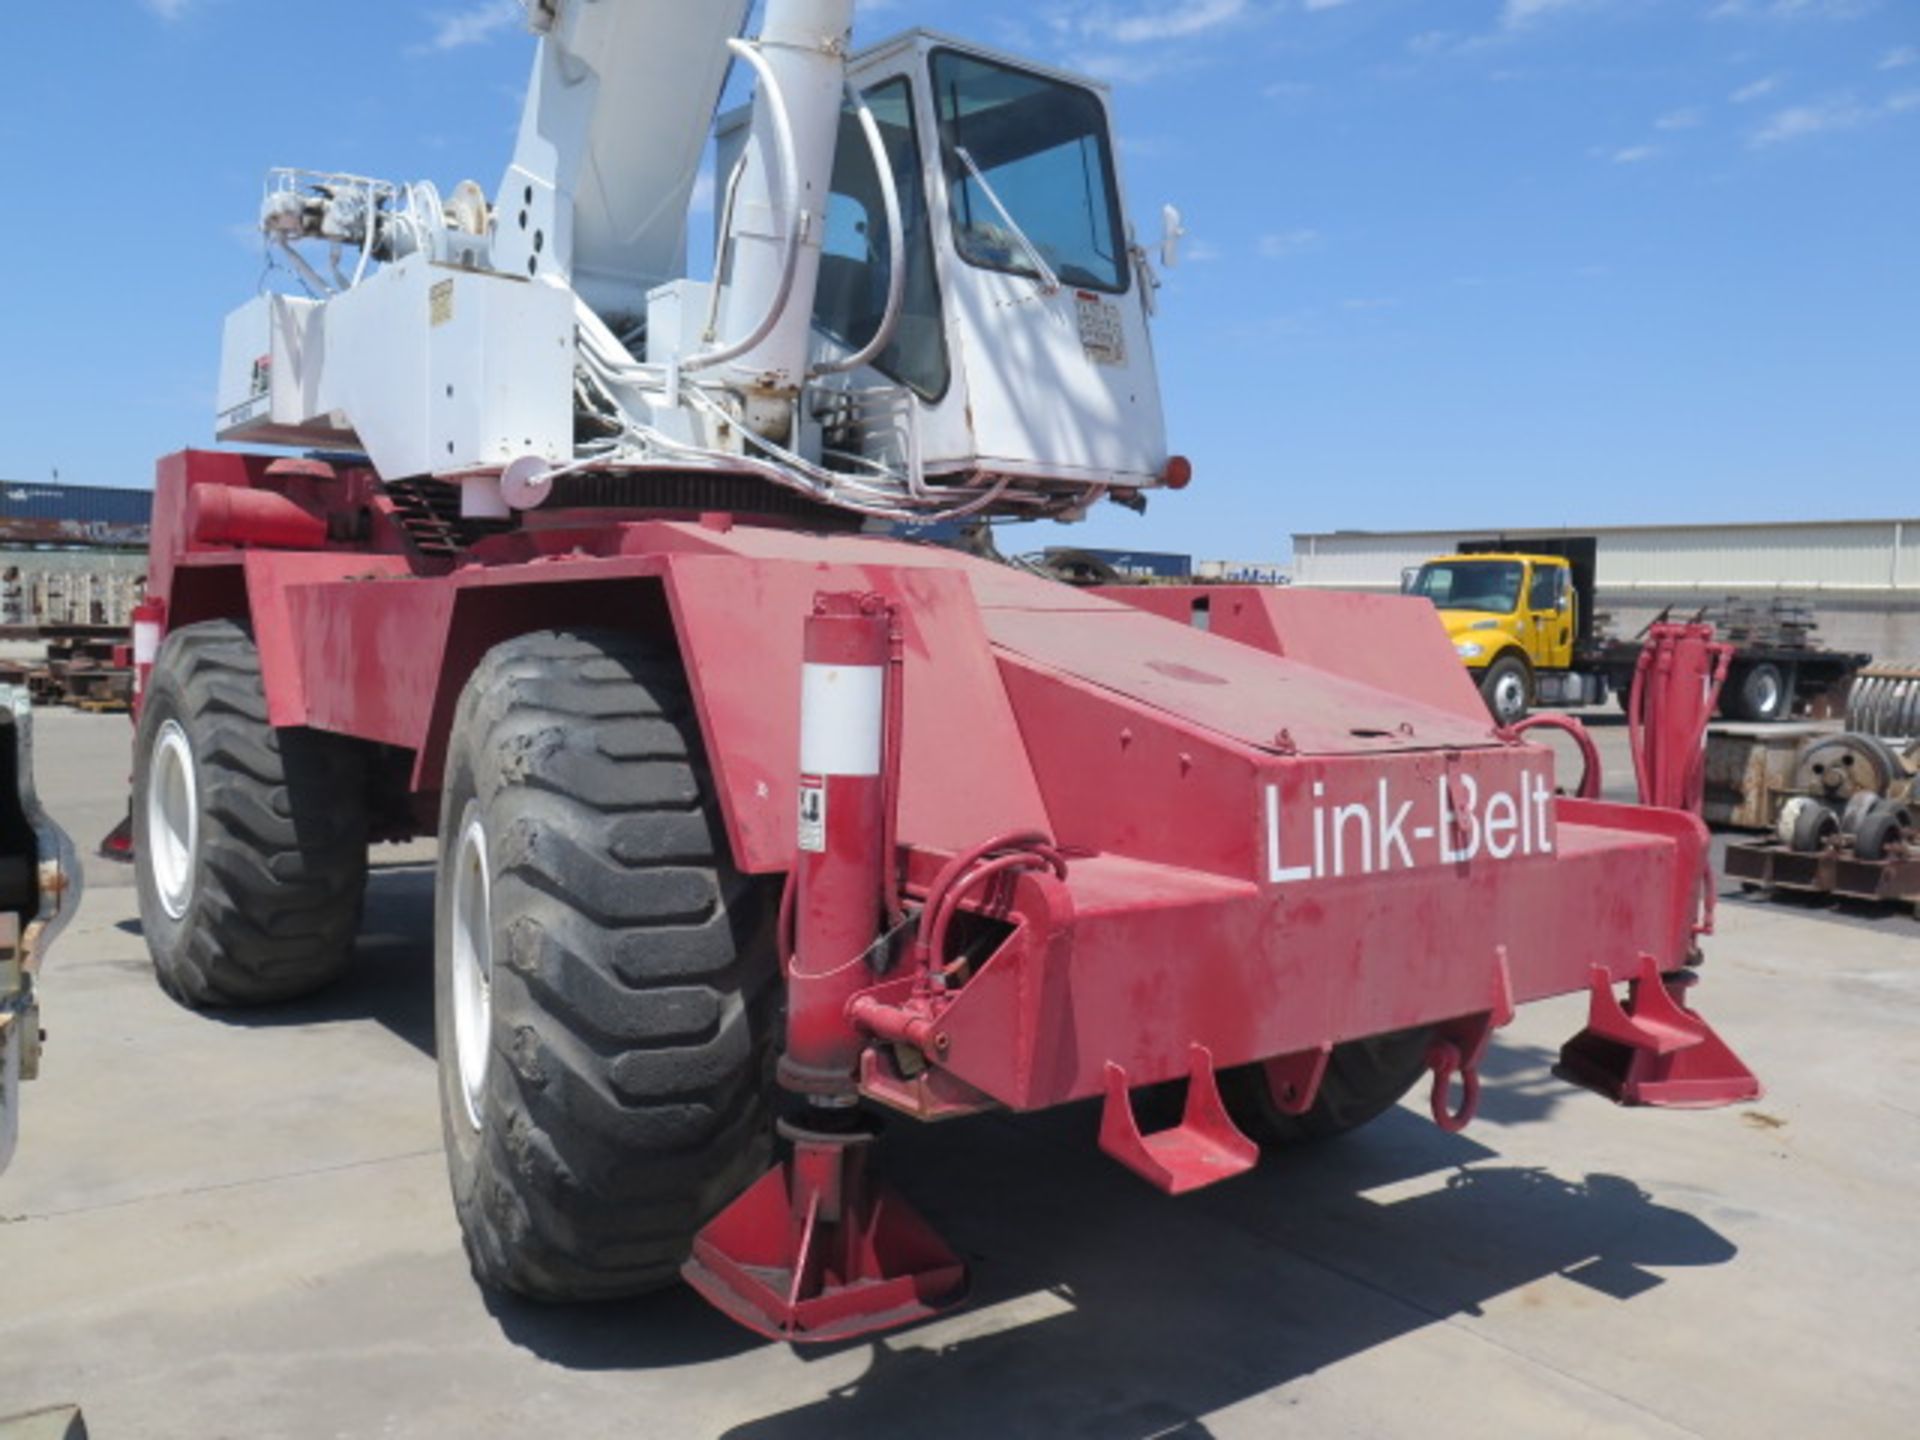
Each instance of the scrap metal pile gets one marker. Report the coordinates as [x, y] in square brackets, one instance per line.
[1849, 824]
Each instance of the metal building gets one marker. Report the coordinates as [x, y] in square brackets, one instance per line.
[71, 556]
[1862, 576]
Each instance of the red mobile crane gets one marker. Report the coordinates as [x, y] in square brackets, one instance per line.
[752, 822]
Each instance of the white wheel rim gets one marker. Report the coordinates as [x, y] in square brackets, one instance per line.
[471, 908]
[1509, 696]
[173, 819]
[1766, 694]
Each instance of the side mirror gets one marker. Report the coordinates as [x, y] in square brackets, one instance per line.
[1172, 232]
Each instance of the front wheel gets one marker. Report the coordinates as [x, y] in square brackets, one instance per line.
[1507, 688]
[1364, 1080]
[605, 988]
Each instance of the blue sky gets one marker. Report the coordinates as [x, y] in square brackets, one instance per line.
[1476, 262]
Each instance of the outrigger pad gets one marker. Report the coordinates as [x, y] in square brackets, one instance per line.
[1653, 1050]
[775, 1262]
[118, 846]
[1205, 1147]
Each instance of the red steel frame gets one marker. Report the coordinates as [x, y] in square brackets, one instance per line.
[1202, 849]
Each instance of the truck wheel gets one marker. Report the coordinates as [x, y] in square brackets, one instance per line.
[250, 842]
[604, 996]
[1508, 689]
[1364, 1080]
[1760, 692]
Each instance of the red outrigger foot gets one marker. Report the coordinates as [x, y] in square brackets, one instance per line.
[118, 845]
[815, 1252]
[1653, 1050]
[1203, 1149]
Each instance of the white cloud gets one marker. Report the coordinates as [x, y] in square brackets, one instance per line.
[168, 9]
[1904, 101]
[1143, 24]
[1525, 12]
[1685, 119]
[1759, 89]
[1127, 67]
[1633, 154]
[1285, 244]
[1899, 59]
[1326, 4]
[1790, 9]
[1797, 122]
[476, 24]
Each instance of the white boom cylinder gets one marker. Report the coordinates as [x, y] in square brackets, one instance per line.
[804, 44]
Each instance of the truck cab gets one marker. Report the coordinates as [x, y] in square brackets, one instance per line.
[1514, 620]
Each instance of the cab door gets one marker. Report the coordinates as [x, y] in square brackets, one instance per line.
[1550, 619]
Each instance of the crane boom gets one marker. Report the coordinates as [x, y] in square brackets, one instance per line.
[617, 118]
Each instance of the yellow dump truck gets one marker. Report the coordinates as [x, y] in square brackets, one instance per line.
[1520, 613]
[1519, 621]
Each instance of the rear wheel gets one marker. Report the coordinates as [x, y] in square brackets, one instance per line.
[1507, 688]
[250, 842]
[1761, 692]
[1364, 1080]
[604, 991]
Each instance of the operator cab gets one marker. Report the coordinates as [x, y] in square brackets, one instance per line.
[1022, 348]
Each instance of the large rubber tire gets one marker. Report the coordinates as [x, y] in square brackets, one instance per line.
[1507, 687]
[267, 866]
[1761, 692]
[622, 1094]
[1364, 1080]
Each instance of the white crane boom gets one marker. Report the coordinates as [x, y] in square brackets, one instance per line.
[619, 113]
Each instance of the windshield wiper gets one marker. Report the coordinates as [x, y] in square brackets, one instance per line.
[1049, 282]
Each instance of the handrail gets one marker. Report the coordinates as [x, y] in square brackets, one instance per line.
[897, 248]
[796, 217]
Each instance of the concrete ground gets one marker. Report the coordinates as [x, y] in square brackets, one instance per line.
[240, 1228]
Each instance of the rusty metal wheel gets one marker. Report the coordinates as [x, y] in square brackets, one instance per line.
[1814, 825]
[1886, 827]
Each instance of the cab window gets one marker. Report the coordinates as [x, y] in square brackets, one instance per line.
[1043, 149]
[855, 268]
[1489, 585]
[1548, 586]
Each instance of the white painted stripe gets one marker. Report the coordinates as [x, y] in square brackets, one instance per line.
[146, 642]
[841, 713]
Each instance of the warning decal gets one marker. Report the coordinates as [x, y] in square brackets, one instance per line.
[1101, 334]
[813, 814]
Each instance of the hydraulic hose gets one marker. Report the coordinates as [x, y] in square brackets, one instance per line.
[1015, 852]
[1590, 775]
